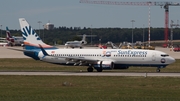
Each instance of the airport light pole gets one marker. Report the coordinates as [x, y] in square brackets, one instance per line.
[132, 32]
[43, 32]
[143, 35]
[1, 31]
[39, 27]
[91, 35]
[100, 41]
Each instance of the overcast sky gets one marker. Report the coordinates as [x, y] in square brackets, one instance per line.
[71, 13]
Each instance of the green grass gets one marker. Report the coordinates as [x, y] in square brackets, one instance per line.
[33, 65]
[79, 88]
[76, 88]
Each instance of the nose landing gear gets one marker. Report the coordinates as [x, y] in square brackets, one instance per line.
[158, 70]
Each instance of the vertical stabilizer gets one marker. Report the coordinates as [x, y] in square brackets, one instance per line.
[8, 34]
[9, 38]
[84, 37]
[83, 41]
[31, 39]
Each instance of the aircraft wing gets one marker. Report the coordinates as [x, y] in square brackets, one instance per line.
[78, 60]
[22, 50]
[81, 59]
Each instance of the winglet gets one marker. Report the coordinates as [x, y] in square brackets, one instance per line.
[43, 51]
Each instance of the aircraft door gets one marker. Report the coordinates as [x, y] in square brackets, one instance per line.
[153, 56]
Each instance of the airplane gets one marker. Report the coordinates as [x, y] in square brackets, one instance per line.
[3, 42]
[99, 59]
[74, 44]
[13, 40]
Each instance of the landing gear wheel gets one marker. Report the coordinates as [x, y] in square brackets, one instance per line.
[90, 69]
[11, 44]
[99, 70]
[158, 70]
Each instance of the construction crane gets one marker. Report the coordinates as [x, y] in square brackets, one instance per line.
[172, 25]
[149, 3]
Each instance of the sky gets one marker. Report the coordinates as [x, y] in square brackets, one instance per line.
[71, 13]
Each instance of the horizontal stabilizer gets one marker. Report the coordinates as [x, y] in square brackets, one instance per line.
[43, 50]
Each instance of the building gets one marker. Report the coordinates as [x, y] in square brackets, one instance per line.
[49, 26]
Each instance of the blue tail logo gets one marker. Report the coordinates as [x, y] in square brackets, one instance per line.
[27, 31]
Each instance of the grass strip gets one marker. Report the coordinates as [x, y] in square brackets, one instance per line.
[77, 88]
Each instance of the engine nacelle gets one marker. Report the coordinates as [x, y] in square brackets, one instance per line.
[83, 42]
[104, 65]
[10, 39]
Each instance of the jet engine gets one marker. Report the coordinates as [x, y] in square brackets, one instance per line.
[104, 65]
[10, 39]
[83, 42]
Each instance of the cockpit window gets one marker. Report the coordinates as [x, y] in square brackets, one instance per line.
[164, 55]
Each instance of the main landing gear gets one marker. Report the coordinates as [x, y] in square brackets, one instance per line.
[99, 70]
[90, 68]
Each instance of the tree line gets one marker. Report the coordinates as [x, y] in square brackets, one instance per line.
[60, 35]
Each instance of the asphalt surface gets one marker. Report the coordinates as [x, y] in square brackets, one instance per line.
[12, 52]
[92, 74]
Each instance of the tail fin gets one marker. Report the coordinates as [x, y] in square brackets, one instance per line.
[83, 41]
[84, 37]
[8, 34]
[31, 39]
[9, 38]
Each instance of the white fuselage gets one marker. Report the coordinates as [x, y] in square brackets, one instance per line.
[18, 40]
[117, 56]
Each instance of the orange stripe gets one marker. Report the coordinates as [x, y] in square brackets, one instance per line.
[44, 45]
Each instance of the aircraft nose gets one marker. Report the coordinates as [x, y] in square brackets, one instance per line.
[171, 60]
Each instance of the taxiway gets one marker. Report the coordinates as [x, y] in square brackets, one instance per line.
[92, 74]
